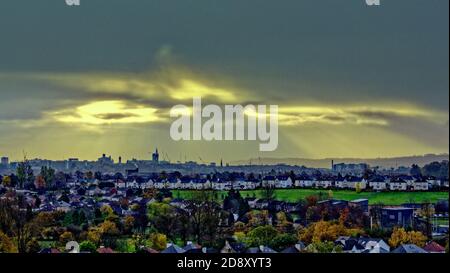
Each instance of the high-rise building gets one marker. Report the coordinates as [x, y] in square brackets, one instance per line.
[4, 161]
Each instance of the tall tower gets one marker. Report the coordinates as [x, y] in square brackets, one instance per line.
[332, 165]
[155, 156]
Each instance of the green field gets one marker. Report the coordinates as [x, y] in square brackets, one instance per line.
[293, 195]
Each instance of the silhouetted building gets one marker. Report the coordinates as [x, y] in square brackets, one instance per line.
[155, 156]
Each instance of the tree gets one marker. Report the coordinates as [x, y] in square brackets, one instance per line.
[436, 169]
[205, 214]
[39, 182]
[6, 244]
[17, 220]
[283, 223]
[427, 212]
[48, 174]
[33, 246]
[89, 175]
[415, 171]
[6, 181]
[106, 210]
[282, 241]
[261, 236]
[323, 247]
[66, 237]
[94, 235]
[88, 246]
[24, 174]
[158, 241]
[330, 194]
[268, 192]
[128, 224]
[109, 233]
[163, 217]
[323, 231]
[400, 236]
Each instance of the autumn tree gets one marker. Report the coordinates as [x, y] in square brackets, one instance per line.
[401, 236]
[40, 182]
[16, 220]
[158, 241]
[94, 235]
[323, 231]
[6, 244]
[6, 181]
[128, 224]
[163, 217]
[66, 237]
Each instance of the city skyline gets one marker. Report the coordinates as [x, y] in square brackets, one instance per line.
[345, 87]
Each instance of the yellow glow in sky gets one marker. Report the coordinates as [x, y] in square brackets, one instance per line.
[189, 89]
[108, 112]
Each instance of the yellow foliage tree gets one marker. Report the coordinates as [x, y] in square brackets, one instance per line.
[109, 228]
[323, 231]
[330, 194]
[159, 241]
[400, 236]
[66, 237]
[106, 210]
[128, 223]
[6, 244]
[6, 181]
[94, 235]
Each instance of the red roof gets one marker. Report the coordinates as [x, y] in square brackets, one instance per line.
[434, 247]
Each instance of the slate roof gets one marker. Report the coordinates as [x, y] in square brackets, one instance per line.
[408, 248]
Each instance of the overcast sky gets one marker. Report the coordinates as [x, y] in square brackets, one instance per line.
[350, 80]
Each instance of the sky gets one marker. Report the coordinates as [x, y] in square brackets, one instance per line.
[349, 80]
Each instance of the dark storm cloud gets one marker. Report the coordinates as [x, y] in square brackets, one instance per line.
[327, 49]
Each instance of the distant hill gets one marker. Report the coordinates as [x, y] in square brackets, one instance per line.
[326, 162]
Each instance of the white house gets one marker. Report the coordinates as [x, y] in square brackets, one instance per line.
[269, 181]
[372, 245]
[304, 182]
[324, 184]
[284, 182]
[398, 185]
[420, 186]
[378, 185]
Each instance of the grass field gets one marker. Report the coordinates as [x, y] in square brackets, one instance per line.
[293, 195]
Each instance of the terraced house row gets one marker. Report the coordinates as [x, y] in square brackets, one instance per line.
[376, 183]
